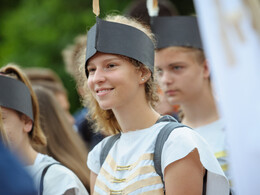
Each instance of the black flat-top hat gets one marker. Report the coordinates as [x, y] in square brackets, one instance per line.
[116, 38]
[15, 95]
[176, 31]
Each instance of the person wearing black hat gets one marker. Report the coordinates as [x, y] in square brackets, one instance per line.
[121, 94]
[184, 76]
[20, 113]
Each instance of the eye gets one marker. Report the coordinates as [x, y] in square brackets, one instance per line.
[110, 66]
[176, 68]
[3, 117]
[91, 70]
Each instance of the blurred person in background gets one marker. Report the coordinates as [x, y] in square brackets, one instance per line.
[20, 112]
[138, 10]
[12, 171]
[73, 56]
[49, 79]
[63, 143]
[184, 76]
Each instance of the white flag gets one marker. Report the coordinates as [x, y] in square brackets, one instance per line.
[232, 46]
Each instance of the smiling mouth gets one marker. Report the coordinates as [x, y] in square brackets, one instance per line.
[101, 92]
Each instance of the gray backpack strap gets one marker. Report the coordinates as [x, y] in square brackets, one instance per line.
[161, 139]
[166, 118]
[107, 147]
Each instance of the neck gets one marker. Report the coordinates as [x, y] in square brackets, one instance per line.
[140, 115]
[26, 153]
[200, 111]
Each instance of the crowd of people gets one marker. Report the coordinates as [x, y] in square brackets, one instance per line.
[149, 125]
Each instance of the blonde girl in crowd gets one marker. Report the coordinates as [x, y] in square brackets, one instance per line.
[121, 94]
[20, 114]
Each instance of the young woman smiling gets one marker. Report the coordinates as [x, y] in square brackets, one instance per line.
[120, 95]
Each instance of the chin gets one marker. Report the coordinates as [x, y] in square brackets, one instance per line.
[172, 100]
[105, 107]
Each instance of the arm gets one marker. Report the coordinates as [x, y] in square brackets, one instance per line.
[70, 192]
[185, 176]
[93, 177]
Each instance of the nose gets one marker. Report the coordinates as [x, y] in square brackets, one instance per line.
[99, 76]
[166, 78]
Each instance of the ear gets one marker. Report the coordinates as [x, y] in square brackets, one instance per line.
[28, 124]
[206, 69]
[145, 75]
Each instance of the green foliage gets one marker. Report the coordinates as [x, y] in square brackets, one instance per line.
[34, 32]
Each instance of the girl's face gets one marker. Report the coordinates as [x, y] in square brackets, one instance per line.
[180, 75]
[113, 81]
[15, 127]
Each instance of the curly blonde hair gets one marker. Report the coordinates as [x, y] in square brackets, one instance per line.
[104, 120]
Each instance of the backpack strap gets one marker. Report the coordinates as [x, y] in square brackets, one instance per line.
[107, 147]
[112, 139]
[43, 174]
[167, 118]
[161, 139]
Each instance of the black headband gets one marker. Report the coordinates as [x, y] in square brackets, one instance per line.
[116, 38]
[15, 95]
[176, 31]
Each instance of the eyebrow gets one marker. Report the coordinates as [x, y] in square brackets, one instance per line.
[176, 63]
[108, 60]
[171, 65]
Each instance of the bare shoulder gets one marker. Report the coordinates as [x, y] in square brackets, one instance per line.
[185, 176]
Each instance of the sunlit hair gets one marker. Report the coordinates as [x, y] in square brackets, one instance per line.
[72, 57]
[3, 136]
[64, 144]
[36, 135]
[45, 77]
[105, 119]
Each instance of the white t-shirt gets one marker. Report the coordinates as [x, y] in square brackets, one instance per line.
[129, 166]
[214, 133]
[57, 180]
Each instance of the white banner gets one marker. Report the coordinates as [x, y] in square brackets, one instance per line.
[232, 46]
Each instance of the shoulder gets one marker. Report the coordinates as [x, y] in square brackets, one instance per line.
[58, 179]
[93, 161]
[181, 142]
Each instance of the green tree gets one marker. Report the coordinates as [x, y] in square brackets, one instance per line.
[34, 32]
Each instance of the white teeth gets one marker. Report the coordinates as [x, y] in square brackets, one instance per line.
[104, 90]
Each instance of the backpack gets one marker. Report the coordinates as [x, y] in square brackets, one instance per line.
[160, 140]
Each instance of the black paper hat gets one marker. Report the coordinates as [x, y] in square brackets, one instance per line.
[116, 38]
[15, 95]
[176, 31]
